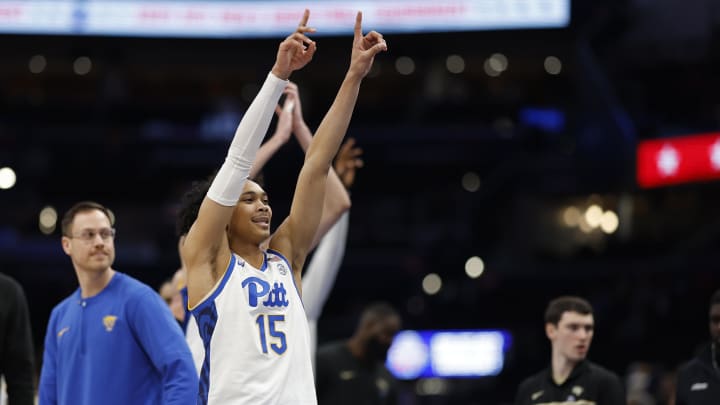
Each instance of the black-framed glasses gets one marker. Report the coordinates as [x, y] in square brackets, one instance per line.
[88, 235]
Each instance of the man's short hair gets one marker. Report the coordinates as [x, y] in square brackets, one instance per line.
[378, 310]
[557, 307]
[190, 206]
[192, 200]
[82, 206]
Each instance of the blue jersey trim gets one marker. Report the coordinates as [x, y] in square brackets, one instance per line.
[206, 319]
[292, 275]
[186, 318]
[264, 265]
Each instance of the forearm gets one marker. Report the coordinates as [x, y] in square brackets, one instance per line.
[228, 184]
[322, 269]
[180, 383]
[337, 202]
[266, 151]
[337, 199]
[47, 388]
[19, 376]
[19, 370]
[333, 127]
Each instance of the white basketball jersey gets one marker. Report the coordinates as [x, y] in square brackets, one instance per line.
[195, 343]
[255, 333]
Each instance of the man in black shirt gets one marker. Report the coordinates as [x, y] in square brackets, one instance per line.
[353, 372]
[16, 351]
[698, 381]
[570, 379]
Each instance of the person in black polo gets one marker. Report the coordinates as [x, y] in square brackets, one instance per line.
[570, 379]
[353, 372]
[698, 381]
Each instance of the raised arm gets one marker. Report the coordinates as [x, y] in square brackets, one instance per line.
[337, 199]
[295, 235]
[283, 130]
[206, 250]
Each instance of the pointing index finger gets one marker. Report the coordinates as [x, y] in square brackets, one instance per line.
[305, 17]
[358, 25]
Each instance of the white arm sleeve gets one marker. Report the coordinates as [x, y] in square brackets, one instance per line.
[230, 179]
[322, 270]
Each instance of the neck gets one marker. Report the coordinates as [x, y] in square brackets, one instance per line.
[561, 368]
[250, 252]
[92, 283]
[356, 347]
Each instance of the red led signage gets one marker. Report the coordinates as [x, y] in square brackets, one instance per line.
[678, 160]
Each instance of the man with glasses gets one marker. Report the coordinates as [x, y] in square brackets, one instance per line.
[113, 341]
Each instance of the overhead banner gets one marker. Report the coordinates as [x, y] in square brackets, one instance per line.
[678, 160]
[235, 19]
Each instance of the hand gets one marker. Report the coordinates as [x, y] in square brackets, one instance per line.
[285, 119]
[364, 49]
[295, 51]
[348, 161]
[297, 116]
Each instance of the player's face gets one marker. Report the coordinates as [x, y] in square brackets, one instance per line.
[252, 214]
[91, 243]
[715, 323]
[572, 335]
[382, 334]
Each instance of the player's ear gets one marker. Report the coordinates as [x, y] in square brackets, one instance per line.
[550, 330]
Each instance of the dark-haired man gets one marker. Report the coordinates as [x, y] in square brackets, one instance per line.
[353, 371]
[570, 379]
[113, 341]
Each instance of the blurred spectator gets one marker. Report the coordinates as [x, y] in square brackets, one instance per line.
[698, 381]
[353, 371]
[16, 351]
[569, 325]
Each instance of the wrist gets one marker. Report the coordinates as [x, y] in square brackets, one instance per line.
[353, 77]
[280, 73]
[300, 126]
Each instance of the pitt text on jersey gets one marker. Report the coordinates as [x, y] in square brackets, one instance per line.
[258, 288]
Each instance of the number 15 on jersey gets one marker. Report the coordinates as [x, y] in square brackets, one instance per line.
[269, 332]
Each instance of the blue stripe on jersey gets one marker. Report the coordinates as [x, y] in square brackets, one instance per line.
[206, 317]
[264, 265]
[186, 318]
[292, 276]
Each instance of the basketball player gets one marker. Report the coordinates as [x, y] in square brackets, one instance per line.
[325, 263]
[246, 300]
[571, 378]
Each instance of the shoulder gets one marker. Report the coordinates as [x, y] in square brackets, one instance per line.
[331, 349]
[62, 307]
[8, 283]
[134, 292]
[533, 382]
[603, 375]
[689, 368]
[132, 287]
[10, 295]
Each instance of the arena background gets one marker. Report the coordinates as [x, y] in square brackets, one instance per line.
[480, 158]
